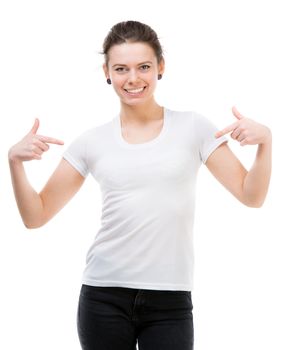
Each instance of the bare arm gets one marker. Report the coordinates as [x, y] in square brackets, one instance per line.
[250, 187]
[257, 181]
[38, 208]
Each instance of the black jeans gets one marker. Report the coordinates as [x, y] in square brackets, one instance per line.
[117, 318]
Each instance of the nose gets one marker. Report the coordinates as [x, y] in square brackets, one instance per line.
[133, 76]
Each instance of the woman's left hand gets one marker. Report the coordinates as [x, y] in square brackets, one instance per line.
[246, 131]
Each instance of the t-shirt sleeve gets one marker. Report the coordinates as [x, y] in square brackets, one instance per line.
[206, 130]
[76, 155]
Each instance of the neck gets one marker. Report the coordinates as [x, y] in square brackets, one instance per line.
[141, 114]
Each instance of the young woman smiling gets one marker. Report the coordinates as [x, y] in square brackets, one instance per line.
[138, 277]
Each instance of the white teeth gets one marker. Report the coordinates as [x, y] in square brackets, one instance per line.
[135, 91]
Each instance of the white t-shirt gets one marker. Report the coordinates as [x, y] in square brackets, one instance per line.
[145, 240]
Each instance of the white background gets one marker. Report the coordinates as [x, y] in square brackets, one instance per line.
[218, 54]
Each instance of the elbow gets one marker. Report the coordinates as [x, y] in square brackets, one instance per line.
[254, 203]
[33, 217]
[253, 200]
[30, 225]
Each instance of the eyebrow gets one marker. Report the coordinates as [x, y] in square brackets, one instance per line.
[124, 65]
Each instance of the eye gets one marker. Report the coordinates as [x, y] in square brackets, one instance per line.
[145, 67]
[119, 69]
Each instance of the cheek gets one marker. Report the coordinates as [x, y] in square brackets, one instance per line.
[118, 80]
[153, 81]
[118, 84]
[154, 77]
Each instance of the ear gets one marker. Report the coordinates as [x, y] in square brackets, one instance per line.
[161, 66]
[105, 70]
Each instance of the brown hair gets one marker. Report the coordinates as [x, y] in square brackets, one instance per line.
[132, 31]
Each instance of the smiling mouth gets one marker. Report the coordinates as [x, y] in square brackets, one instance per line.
[135, 91]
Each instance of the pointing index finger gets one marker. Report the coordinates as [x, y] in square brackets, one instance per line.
[226, 130]
[48, 139]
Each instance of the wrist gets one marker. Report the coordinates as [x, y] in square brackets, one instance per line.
[267, 139]
[12, 157]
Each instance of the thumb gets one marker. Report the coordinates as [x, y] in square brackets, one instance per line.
[35, 126]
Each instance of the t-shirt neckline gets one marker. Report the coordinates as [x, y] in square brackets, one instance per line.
[125, 144]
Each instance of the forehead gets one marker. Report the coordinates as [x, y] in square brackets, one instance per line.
[128, 53]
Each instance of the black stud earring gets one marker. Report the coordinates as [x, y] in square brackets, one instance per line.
[159, 76]
[108, 81]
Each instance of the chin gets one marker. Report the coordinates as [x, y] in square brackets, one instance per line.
[134, 102]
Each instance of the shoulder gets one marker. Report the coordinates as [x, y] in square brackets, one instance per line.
[185, 113]
[180, 113]
[95, 133]
[181, 118]
[190, 117]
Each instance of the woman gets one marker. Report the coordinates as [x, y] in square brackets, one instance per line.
[139, 274]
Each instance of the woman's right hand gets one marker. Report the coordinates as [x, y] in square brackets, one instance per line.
[32, 145]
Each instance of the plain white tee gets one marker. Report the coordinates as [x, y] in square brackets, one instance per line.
[145, 240]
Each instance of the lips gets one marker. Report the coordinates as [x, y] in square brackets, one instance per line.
[136, 91]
